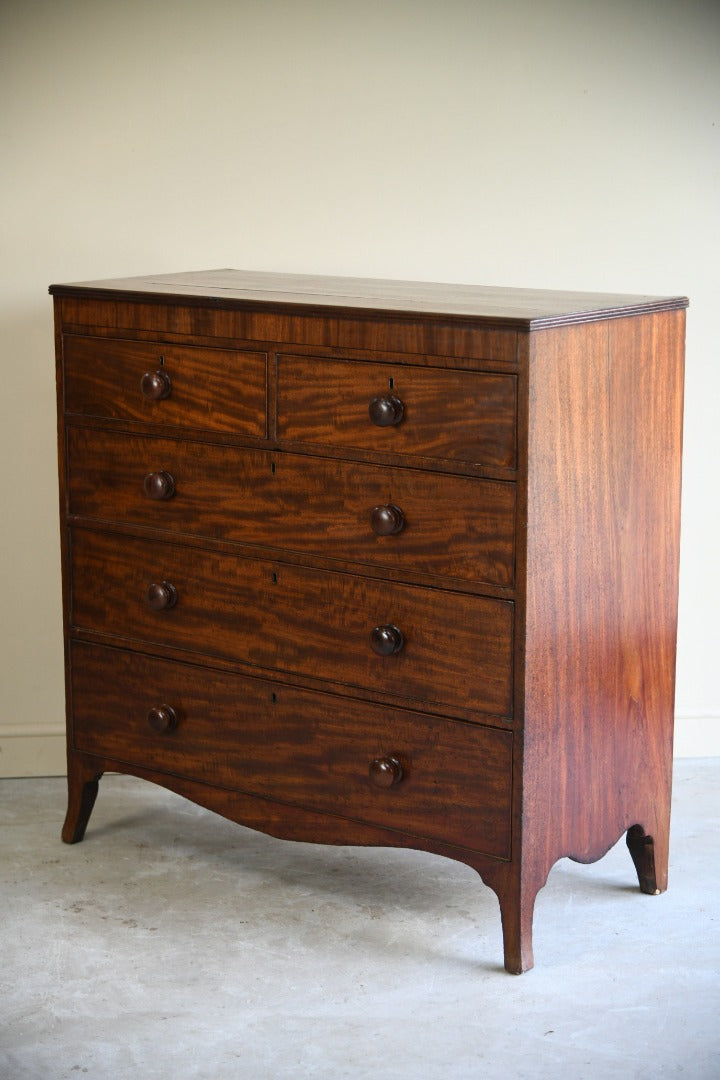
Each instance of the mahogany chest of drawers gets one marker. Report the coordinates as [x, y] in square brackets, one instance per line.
[377, 563]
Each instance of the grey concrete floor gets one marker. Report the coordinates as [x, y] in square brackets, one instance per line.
[173, 944]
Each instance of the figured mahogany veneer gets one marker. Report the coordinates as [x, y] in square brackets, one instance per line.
[381, 563]
[454, 526]
[221, 390]
[451, 415]
[456, 650]
[277, 741]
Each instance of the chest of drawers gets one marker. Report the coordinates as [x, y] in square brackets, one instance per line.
[377, 563]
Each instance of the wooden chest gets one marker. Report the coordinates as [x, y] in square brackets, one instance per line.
[377, 563]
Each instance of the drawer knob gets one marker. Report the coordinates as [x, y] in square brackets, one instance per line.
[156, 385]
[386, 640]
[161, 596]
[162, 718]
[385, 772]
[386, 410]
[387, 520]
[159, 485]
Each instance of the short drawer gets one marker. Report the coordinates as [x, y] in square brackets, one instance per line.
[455, 416]
[448, 780]
[450, 526]
[446, 649]
[177, 386]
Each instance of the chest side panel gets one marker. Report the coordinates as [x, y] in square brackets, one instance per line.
[605, 428]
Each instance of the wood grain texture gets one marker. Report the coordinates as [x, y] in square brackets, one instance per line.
[453, 415]
[602, 562]
[515, 553]
[286, 821]
[457, 649]
[456, 527]
[517, 307]
[466, 343]
[82, 793]
[212, 389]
[297, 746]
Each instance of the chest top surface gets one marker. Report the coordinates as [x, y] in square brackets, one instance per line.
[492, 305]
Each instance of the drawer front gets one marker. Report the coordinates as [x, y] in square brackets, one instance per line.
[297, 746]
[210, 389]
[385, 408]
[453, 650]
[452, 526]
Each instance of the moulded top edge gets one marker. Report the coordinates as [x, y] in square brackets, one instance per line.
[306, 294]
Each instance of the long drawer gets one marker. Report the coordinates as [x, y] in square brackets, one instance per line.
[447, 780]
[453, 649]
[220, 390]
[450, 526]
[398, 409]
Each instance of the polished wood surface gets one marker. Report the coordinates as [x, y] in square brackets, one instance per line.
[443, 414]
[467, 343]
[607, 473]
[455, 527]
[297, 746]
[212, 389]
[528, 308]
[457, 649]
[377, 563]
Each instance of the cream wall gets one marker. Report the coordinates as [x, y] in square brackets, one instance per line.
[549, 143]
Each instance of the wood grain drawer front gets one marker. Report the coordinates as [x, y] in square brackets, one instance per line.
[430, 412]
[211, 389]
[296, 746]
[452, 526]
[455, 649]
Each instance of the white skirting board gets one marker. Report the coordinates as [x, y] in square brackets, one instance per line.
[39, 749]
[32, 750]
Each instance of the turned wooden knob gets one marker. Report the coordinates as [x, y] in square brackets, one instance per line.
[159, 485]
[386, 640]
[386, 410]
[387, 520]
[385, 772]
[162, 718]
[161, 595]
[156, 385]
